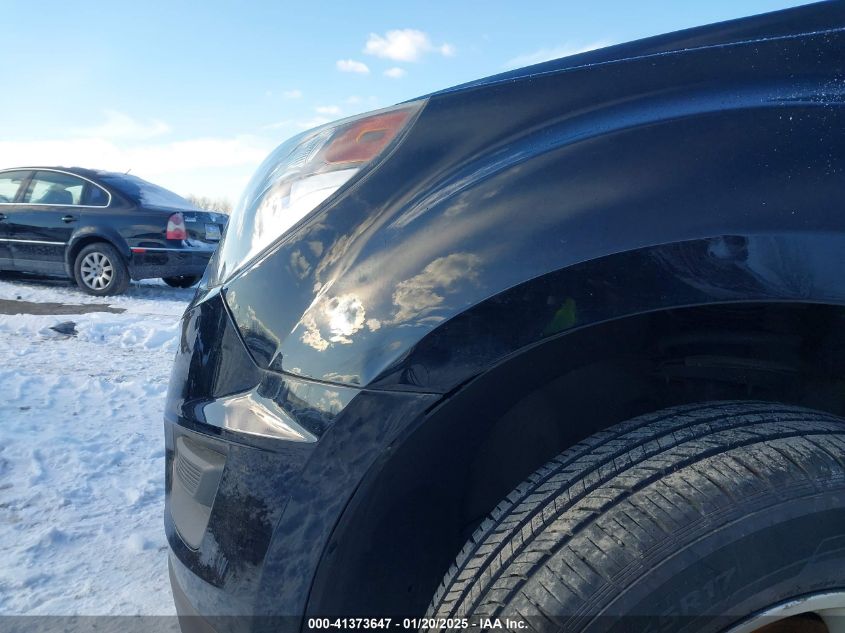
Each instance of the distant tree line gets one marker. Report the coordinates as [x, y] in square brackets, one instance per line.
[221, 205]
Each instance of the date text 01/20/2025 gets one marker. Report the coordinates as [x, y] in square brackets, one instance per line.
[415, 623]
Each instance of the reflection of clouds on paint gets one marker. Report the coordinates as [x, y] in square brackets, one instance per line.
[346, 316]
[311, 336]
[341, 317]
[334, 376]
[337, 256]
[336, 320]
[455, 193]
[299, 264]
[330, 401]
[417, 297]
[467, 200]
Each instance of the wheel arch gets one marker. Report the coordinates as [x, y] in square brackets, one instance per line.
[89, 235]
[759, 267]
[420, 503]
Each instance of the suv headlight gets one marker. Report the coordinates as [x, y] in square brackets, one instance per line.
[299, 176]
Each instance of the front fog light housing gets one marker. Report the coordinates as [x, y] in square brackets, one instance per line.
[299, 176]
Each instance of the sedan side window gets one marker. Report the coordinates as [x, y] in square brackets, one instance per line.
[10, 182]
[50, 187]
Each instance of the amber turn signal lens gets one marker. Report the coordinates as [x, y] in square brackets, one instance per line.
[363, 140]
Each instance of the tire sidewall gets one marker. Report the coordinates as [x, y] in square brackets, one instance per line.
[182, 281]
[751, 563]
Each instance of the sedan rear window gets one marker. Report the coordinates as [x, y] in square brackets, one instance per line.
[146, 193]
[95, 197]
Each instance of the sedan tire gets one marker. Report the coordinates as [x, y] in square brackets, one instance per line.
[185, 281]
[100, 270]
[695, 518]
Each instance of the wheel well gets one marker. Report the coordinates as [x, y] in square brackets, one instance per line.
[81, 243]
[408, 521]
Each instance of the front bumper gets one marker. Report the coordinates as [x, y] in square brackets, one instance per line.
[189, 620]
[262, 532]
[150, 263]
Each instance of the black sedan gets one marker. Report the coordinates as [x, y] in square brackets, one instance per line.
[102, 228]
[558, 350]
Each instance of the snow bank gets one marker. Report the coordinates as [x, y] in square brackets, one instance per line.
[127, 331]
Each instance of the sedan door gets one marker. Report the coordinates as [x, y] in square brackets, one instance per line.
[11, 186]
[41, 225]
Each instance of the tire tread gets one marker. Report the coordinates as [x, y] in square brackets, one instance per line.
[572, 494]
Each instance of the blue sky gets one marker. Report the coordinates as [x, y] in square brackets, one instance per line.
[192, 95]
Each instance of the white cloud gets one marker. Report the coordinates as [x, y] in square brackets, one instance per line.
[152, 158]
[120, 126]
[404, 45]
[447, 50]
[546, 54]
[199, 152]
[395, 72]
[292, 94]
[352, 66]
[329, 109]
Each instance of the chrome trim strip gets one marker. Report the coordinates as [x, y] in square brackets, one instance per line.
[42, 204]
[11, 239]
[58, 171]
[188, 249]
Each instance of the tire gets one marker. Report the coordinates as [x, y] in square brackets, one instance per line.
[185, 281]
[689, 519]
[115, 276]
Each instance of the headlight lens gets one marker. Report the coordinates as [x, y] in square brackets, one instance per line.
[298, 176]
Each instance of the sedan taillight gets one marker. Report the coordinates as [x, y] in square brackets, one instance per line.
[176, 227]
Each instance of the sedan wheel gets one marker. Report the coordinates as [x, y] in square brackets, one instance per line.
[100, 270]
[819, 613]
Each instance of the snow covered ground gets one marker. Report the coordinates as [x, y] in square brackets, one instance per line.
[81, 452]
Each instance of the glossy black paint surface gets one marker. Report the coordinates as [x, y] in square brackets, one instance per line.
[44, 238]
[516, 211]
[493, 188]
[262, 476]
